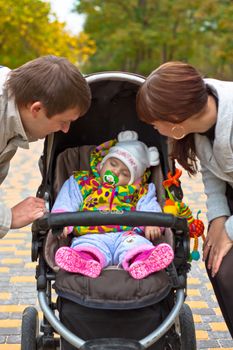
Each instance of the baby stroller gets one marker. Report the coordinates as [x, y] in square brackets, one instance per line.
[113, 311]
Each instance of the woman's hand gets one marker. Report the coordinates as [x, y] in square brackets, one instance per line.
[27, 211]
[217, 244]
[152, 232]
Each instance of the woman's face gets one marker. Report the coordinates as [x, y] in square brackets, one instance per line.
[118, 168]
[196, 123]
[164, 127]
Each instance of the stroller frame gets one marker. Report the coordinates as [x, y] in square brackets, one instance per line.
[81, 344]
[56, 222]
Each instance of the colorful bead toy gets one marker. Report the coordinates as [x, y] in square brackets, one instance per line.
[174, 205]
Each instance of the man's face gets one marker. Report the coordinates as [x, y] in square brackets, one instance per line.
[39, 126]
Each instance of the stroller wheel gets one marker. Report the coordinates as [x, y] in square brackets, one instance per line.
[187, 329]
[29, 329]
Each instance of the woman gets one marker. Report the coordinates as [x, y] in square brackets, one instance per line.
[197, 114]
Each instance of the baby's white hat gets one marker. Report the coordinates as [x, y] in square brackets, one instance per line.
[133, 153]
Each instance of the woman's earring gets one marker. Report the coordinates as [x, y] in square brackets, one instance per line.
[178, 132]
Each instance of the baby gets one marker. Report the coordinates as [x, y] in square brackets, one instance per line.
[118, 181]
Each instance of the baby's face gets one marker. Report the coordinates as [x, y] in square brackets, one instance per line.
[117, 168]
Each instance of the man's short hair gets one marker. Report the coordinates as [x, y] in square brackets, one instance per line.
[54, 81]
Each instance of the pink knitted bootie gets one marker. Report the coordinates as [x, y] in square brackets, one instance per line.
[77, 261]
[150, 261]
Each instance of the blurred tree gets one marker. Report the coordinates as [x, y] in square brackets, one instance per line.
[139, 35]
[28, 29]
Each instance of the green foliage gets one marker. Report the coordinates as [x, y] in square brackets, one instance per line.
[139, 35]
[28, 29]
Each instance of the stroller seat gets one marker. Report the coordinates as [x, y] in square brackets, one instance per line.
[127, 292]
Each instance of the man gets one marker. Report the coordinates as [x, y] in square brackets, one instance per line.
[41, 97]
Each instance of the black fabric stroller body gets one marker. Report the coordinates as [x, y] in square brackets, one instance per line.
[113, 311]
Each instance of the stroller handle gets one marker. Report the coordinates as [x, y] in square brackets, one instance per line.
[96, 218]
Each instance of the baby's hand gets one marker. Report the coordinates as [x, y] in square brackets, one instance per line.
[64, 233]
[152, 232]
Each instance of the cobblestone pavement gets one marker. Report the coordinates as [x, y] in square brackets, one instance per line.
[17, 282]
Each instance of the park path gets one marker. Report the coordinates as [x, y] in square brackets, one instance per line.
[17, 281]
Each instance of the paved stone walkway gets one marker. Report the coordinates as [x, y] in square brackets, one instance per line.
[17, 281]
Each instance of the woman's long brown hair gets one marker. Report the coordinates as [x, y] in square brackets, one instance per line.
[174, 92]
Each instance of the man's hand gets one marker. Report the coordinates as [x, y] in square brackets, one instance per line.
[27, 211]
[152, 232]
[217, 245]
